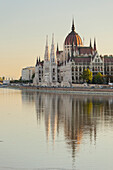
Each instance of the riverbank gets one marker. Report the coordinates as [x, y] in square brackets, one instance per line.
[67, 90]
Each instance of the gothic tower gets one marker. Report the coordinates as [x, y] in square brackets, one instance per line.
[36, 78]
[46, 68]
[47, 55]
[53, 63]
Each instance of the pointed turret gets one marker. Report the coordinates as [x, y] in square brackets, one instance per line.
[47, 54]
[53, 55]
[47, 41]
[53, 63]
[90, 43]
[73, 26]
[53, 38]
[57, 49]
[95, 45]
[39, 59]
[37, 62]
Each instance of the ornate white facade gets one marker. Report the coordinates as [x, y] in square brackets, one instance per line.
[65, 67]
[46, 72]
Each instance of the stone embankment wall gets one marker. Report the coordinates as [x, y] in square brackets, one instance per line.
[75, 90]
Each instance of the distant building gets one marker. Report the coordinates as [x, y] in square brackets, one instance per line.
[66, 66]
[6, 82]
[27, 73]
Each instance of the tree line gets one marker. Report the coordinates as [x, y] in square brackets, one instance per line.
[88, 77]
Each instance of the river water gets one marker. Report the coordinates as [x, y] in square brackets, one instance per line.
[55, 131]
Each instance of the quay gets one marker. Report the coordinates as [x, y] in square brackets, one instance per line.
[103, 91]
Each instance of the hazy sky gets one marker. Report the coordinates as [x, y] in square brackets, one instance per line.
[24, 25]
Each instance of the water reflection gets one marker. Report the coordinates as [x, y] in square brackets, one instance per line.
[77, 117]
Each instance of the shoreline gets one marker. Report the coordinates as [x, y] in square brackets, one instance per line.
[67, 90]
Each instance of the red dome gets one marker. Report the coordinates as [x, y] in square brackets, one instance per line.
[73, 37]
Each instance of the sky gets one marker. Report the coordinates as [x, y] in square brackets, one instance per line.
[24, 25]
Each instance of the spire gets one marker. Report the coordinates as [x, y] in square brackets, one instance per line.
[37, 62]
[53, 38]
[39, 59]
[57, 52]
[73, 26]
[47, 41]
[47, 55]
[57, 48]
[95, 45]
[53, 54]
[90, 43]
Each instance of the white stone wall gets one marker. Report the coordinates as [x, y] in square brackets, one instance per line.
[27, 73]
[65, 74]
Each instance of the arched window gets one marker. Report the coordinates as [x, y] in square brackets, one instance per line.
[72, 69]
[72, 78]
[53, 70]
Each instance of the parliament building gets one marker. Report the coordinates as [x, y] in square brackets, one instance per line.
[64, 68]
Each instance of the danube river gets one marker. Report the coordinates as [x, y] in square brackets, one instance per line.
[55, 131]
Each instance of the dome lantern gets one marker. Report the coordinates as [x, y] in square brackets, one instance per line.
[73, 37]
[73, 26]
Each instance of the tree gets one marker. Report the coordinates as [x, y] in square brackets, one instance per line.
[1, 79]
[87, 75]
[98, 79]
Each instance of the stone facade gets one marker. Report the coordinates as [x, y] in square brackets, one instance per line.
[27, 73]
[65, 67]
[46, 72]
